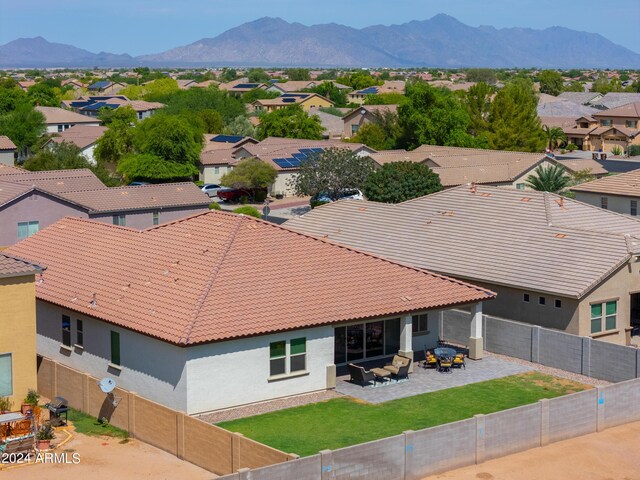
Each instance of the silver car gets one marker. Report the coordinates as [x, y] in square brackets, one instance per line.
[211, 189]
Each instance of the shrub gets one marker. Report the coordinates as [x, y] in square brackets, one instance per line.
[316, 203]
[32, 397]
[215, 206]
[46, 432]
[248, 210]
[634, 150]
[571, 147]
[5, 404]
[616, 150]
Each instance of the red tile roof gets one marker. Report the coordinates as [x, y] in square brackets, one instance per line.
[217, 276]
[6, 143]
[11, 266]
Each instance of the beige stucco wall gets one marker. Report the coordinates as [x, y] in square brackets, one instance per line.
[358, 119]
[619, 204]
[281, 185]
[208, 173]
[18, 332]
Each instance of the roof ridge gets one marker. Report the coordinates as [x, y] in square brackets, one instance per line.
[122, 187]
[212, 279]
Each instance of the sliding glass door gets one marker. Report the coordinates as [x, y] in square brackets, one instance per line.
[366, 340]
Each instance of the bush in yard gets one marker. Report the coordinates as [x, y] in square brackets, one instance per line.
[572, 147]
[250, 174]
[215, 206]
[316, 203]
[248, 210]
[616, 150]
[400, 181]
[634, 150]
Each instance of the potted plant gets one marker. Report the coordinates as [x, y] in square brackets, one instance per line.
[5, 404]
[30, 401]
[45, 435]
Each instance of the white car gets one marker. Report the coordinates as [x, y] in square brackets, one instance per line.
[211, 189]
[347, 194]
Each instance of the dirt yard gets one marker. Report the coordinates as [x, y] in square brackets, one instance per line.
[613, 454]
[104, 458]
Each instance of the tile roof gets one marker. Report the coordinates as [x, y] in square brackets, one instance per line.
[80, 135]
[218, 157]
[55, 115]
[372, 109]
[564, 108]
[55, 180]
[527, 240]
[183, 282]
[389, 156]
[616, 99]
[161, 195]
[11, 266]
[295, 85]
[6, 143]
[10, 191]
[630, 110]
[624, 184]
[485, 173]
[582, 98]
[575, 165]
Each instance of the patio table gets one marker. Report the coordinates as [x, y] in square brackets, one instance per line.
[445, 352]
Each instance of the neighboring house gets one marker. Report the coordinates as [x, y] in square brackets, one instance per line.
[218, 141]
[31, 201]
[552, 261]
[106, 87]
[605, 130]
[25, 84]
[82, 136]
[618, 193]
[76, 84]
[159, 310]
[90, 106]
[581, 98]
[306, 100]
[286, 154]
[389, 86]
[59, 119]
[550, 106]
[614, 100]
[292, 86]
[7, 151]
[18, 372]
[355, 119]
[332, 124]
[453, 86]
[186, 84]
[217, 156]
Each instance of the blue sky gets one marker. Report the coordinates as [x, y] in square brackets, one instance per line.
[150, 26]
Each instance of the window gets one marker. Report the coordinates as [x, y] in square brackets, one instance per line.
[605, 123]
[79, 333]
[520, 186]
[6, 375]
[633, 208]
[298, 355]
[156, 218]
[115, 348]
[610, 310]
[60, 128]
[140, 115]
[542, 300]
[419, 323]
[526, 298]
[120, 220]
[26, 229]
[277, 358]
[66, 331]
[354, 129]
[604, 202]
[631, 124]
[216, 170]
[558, 303]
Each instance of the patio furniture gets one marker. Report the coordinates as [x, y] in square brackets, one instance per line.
[381, 375]
[360, 375]
[458, 361]
[430, 360]
[399, 367]
[445, 352]
[444, 364]
[58, 406]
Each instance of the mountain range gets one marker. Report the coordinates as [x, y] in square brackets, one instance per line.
[441, 41]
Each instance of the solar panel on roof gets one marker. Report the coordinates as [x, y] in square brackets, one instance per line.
[299, 156]
[288, 100]
[247, 85]
[317, 150]
[281, 162]
[368, 91]
[227, 138]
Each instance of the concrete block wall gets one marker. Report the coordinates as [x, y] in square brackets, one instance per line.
[378, 460]
[619, 403]
[560, 350]
[572, 415]
[613, 362]
[511, 431]
[307, 468]
[456, 326]
[508, 338]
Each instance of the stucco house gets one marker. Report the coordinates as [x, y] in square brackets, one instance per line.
[82, 136]
[218, 310]
[389, 86]
[91, 105]
[618, 193]
[7, 151]
[553, 261]
[306, 100]
[18, 327]
[31, 201]
[106, 87]
[360, 116]
[58, 119]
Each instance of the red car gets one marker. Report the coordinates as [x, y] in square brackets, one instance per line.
[235, 194]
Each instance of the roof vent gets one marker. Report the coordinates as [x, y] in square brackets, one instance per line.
[560, 235]
[93, 302]
[485, 195]
[560, 202]
[362, 209]
[124, 192]
[473, 188]
[525, 199]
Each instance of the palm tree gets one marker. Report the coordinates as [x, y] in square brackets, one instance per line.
[555, 136]
[548, 179]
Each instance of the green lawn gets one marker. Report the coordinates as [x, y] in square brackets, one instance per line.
[344, 421]
[89, 425]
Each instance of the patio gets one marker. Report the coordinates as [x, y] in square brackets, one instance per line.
[428, 380]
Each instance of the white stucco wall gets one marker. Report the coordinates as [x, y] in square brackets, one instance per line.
[150, 367]
[89, 154]
[226, 374]
[619, 204]
[208, 173]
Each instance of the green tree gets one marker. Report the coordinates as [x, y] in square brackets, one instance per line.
[121, 116]
[550, 82]
[44, 95]
[297, 74]
[478, 103]
[581, 176]
[211, 121]
[513, 119]
[11, 97]
[250, 174]
[555, 136]
[332, 172]
[331, 92]
[118, 140]
[24, 125]
[160, 89]
[247, 210]
[359, 80]
[258, 75]
[400, 181]
[485, 75]
[193, 100]
[240, 126]
[133, 92]
[151, 168]
[391, 98]
[372, 135]
[169, 137]
[228, 74]
[574, 86]
[290, 122]
[552, 178]
[258, 94]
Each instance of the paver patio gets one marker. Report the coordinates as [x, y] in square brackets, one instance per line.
[430, 380]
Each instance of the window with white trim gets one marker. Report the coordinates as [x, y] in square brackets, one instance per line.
[26, 229]
[287, 357]
[603, 316]
[420, 324]
[633, 208]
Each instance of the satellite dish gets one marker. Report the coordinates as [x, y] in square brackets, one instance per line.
[107, 385]
[363, 111]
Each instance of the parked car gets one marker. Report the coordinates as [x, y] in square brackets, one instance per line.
[235, 194]
[211, 189]
[347, 194]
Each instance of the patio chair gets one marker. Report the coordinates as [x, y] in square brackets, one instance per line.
[458, 361]
[399, 367]
[430, 360]
[444, 364]
[360, 376]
